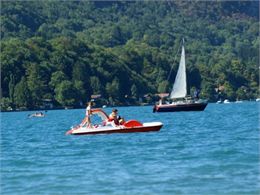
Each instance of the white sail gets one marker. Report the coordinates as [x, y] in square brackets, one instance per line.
[179, 89]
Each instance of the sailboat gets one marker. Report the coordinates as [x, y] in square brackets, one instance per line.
[180, 100]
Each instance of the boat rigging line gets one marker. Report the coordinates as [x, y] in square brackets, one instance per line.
[174, 60]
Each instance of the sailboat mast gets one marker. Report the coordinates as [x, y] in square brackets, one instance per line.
[185, 66]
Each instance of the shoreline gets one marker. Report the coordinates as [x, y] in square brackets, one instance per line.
[68, 108]
[72, 108]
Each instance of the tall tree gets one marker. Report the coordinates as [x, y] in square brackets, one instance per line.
[66, 94]
[36, 83]
[22, 96]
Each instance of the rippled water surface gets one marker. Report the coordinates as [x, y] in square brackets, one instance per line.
[210, 152]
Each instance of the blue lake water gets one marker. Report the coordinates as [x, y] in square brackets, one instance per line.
[210, 152]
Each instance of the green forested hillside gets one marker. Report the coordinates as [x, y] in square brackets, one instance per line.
[66, 51]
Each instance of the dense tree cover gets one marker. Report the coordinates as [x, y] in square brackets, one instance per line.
[66, 51]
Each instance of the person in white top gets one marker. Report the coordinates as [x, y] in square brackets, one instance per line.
[88, 113]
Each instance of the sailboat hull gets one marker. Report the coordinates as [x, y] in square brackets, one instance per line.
[180, 107]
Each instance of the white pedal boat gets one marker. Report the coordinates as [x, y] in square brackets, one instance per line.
[131, 126]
